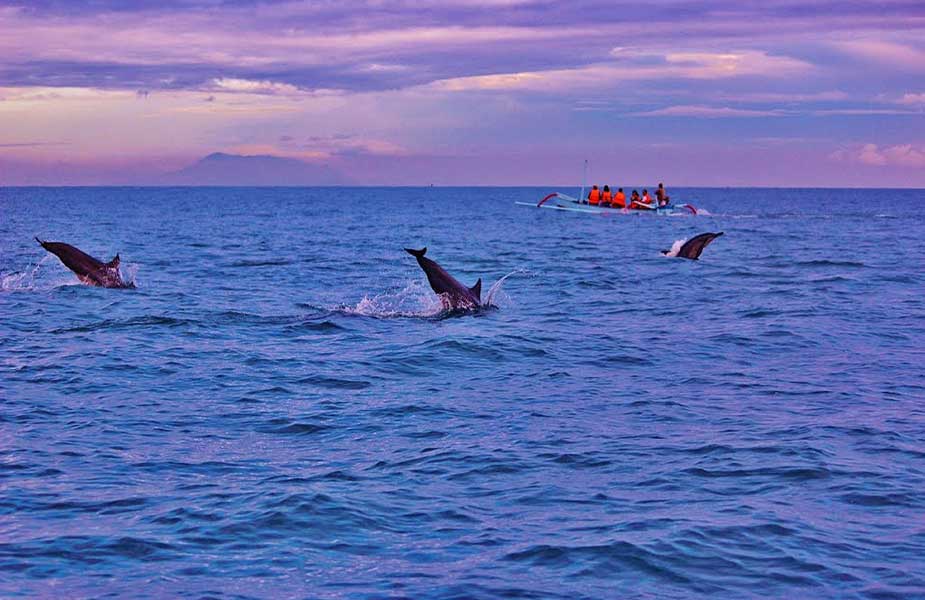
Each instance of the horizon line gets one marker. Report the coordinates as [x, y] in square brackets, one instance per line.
[435, 185]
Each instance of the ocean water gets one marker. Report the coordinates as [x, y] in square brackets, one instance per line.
[280, 409]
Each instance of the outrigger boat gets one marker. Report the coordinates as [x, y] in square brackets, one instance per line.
[560, 201]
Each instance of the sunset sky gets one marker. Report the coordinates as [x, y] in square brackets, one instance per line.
[497, 92]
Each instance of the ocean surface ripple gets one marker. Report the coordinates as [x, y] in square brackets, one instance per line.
[281, 409]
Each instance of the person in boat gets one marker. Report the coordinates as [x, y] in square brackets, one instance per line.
[640, 202]
[606, 196]
[619, 199]
[662, 196]
[594, 196]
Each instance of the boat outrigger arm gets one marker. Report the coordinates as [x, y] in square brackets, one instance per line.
[543, 201]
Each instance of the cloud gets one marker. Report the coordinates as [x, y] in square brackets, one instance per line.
[272, 150]
[30, 144]
[713, 65]
[835, 112]
[636, 67]
[34, 95]
[786, 97]
[913, 100]
[365, 45]
[232, 84]
[892, 55]
[341, 144]
[319, 148]
[903, 155]
[709, 112]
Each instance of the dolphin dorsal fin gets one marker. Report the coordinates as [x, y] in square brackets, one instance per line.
[417, 253]
[477, 289]
[114, 263]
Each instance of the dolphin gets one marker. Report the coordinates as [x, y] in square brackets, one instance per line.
[693, 247]
[88, 269]
[453, 294]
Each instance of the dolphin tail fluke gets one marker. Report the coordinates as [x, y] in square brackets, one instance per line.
[477, 289]
[114, 263]
[417, 253]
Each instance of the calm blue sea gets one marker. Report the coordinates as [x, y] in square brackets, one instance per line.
[279, 410]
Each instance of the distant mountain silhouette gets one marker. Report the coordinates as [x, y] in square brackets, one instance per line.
[262, 170]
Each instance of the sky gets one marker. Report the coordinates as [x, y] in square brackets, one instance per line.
[787, 93]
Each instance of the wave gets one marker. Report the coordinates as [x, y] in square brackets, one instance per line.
[796, 473]
[111, 324]
[334, 383]
[592, 560]
[826, 262]
[284, 426]
[262, 263]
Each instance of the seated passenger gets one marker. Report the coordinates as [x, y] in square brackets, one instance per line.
[645, 197]
[635, 200]
[606, 196]
[619, 200]
[594, 196]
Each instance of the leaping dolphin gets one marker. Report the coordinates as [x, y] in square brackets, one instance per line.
[88, 269]
[453, 294]
[693, 247]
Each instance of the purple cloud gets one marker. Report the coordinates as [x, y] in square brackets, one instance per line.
[381, 83]
[31, 144]
[375, 46]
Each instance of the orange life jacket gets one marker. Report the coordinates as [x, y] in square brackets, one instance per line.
[620, 200]
[606, 197]
[594, 197]
[646, 199]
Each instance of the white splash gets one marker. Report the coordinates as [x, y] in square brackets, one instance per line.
[414, 300]
[675, 248]
[25, 280]
[496, 296]
[129, 273]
